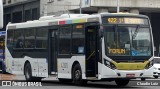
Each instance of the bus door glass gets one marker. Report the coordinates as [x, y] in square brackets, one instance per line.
[53, 50]
[92, 49]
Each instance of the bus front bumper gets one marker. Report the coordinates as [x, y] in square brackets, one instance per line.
[110, 73]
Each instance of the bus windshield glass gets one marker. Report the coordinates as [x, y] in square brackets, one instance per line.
[127, 41]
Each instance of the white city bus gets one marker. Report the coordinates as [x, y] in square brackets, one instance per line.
[1, 14]
[81, 48]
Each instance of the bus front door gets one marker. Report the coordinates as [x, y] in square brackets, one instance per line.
[92, 50]
[52, 62]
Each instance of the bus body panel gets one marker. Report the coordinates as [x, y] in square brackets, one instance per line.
[42, 67]
[8, 61]
[65, 66]
[16, 65]
[110, 73]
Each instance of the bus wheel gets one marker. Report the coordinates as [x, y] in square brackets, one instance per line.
[155, 76]
[77, 75]
[122, 82]
[36, 79]
[143, 79]
[28, 72]
[64, 80]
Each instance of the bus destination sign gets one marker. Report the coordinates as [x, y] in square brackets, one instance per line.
[124, 20]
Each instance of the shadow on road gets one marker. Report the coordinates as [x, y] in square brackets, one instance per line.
[89, 85]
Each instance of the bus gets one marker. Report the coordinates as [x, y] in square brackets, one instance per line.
[1, 14]
[2, 57]
[80, 47]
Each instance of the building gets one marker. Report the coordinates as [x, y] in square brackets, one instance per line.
[56, 7]
[20, 10]
[97, 6]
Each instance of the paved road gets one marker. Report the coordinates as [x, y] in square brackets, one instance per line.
[95, 85]
[54, 84]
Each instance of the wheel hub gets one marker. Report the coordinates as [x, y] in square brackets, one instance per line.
[77, 74]
[27, 73]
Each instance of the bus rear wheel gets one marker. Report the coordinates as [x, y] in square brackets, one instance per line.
[122, 82]
[77, 76]
[155, 76]
[64, 80]
[28, 72]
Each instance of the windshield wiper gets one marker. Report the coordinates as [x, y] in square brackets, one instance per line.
[136, 32]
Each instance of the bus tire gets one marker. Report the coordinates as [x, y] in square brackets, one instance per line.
[122, 82]
[64, 80]
[36, 79]
[28, 72]
[155, 76]
[143, 79]
[77, 76]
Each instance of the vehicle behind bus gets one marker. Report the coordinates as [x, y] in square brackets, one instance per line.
[1, 14]
[2, 57]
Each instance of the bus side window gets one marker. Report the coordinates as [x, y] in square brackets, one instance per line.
[65, 40]
[78, 38]
[10, 44]
[19, 38]
[41, 38]
[19, 44]
[30, 38]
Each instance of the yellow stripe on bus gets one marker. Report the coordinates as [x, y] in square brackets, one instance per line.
[130, 66]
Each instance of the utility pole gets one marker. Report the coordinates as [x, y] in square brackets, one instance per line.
[80, 7]
[118, 7]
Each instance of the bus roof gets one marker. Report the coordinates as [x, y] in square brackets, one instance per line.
[67, 19]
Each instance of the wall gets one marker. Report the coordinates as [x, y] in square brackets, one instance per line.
[9, 2]
[128, 3]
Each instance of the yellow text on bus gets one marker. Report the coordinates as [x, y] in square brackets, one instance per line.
[117, 51]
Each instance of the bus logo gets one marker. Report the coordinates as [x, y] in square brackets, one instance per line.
[117, 51]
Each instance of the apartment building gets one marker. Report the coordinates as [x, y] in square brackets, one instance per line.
[20, 10]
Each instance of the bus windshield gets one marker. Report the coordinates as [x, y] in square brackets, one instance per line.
[127, 41]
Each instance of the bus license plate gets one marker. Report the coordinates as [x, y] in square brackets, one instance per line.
[130, 75]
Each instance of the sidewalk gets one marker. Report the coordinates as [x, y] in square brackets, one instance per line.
[7, 77]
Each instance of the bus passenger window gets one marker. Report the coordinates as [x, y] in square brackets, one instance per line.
[30, 38]
[65, 40]
[41, 38]
[19, 38]
[19, 44]
[10, 40]
[78, 38]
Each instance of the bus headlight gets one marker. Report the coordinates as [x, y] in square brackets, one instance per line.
[109, 64]
[155, 68]
[149, 65]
